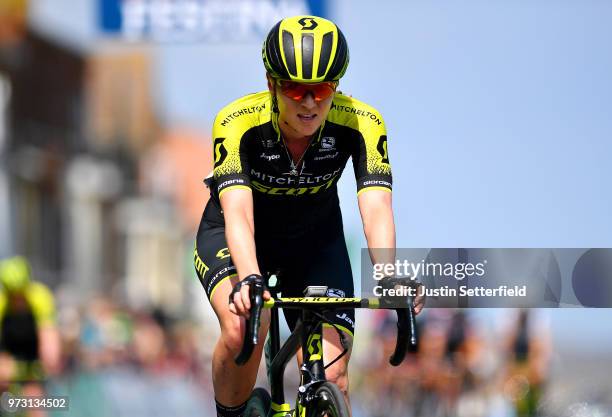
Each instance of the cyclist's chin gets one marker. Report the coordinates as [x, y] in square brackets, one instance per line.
[308, 128]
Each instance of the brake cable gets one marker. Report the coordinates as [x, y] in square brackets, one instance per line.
[341, 334]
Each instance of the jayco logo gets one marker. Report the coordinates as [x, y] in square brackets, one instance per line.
[269, 157]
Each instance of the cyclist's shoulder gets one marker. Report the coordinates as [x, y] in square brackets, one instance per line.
[246, 112]
[39, 296]
[356, 114]
[41, 302]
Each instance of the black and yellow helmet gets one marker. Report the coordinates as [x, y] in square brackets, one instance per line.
[14, 274]
[306, 49]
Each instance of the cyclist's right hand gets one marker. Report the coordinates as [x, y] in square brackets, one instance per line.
[239, 298]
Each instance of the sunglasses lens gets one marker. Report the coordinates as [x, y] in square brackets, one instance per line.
[322, 90]
[297, 91]
[293, 90]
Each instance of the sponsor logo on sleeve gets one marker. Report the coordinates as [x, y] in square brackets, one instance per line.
[220, 151]
[228, 183]
[375, 183]
[382, 149]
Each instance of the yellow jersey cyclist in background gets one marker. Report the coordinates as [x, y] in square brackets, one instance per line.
[274, 204]
[29, 340]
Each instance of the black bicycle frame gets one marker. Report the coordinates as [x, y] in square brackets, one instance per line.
[309, 333]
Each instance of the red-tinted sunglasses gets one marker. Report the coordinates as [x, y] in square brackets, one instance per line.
[297, 91]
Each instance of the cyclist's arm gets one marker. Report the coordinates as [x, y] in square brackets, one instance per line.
[374, 184]
[377, 217]
[50, 348]
[235, 195]
[237, 205]
[43, 307]
[378, 225]
[237, 208]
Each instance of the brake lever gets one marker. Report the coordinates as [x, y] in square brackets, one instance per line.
[401, 343]
[251, 337]
[406, 326]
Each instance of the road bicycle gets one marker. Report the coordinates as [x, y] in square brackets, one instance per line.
[316, 396]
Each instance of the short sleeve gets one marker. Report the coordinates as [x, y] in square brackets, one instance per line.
[230, 164]
[43, 305]
[371, 158]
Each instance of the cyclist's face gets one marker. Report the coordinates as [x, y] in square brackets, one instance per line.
[300, 118]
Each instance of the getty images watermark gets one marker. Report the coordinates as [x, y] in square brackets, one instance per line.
[458, 271]
[477, 277]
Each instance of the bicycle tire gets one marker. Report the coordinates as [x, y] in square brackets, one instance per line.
[258, 404]
[329, 401]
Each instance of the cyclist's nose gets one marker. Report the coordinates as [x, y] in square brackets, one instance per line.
[308, 100]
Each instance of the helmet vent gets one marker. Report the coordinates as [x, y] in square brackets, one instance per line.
[326, 48]
[289, 53]
[307, 53]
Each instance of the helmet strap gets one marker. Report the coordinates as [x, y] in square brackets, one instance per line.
[272, 81]
[275, 103]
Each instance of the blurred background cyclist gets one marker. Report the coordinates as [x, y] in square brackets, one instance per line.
[29, 340]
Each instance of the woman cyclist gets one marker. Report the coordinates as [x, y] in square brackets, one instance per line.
[274, 204]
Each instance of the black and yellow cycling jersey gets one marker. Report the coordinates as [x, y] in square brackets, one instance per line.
[249, 153]
[298, 225]
[39, 300]
[21, 317]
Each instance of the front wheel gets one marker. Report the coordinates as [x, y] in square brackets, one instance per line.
[328, 402]
[258, 404]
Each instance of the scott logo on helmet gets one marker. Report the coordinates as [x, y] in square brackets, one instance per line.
[308, 21]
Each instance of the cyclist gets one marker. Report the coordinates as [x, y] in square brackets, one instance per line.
[29, 340]
[527, 350]
[274, 204]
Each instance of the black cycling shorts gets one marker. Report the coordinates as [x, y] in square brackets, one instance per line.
[298, 264]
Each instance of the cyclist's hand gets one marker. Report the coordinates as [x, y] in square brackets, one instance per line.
[239, 299]
[419, 301]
